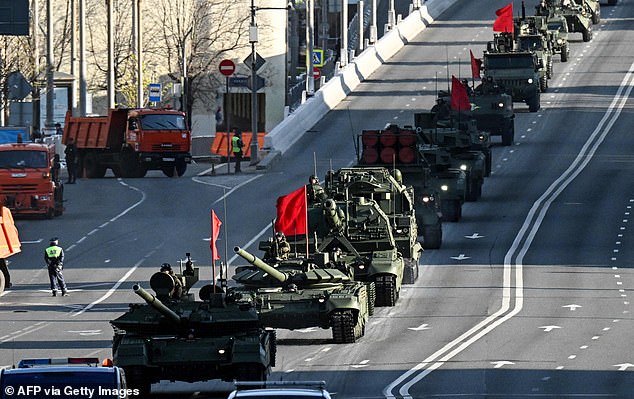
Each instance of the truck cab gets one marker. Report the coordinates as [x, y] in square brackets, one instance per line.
[27, 184]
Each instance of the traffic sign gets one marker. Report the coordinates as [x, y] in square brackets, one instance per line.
[155, 92]
[318, 57]
[259, 61]
[316, 73]
[227, 67]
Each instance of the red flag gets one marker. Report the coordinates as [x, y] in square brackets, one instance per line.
[476, 65]
[215, 230]
[504, 21]
[459, 96]
[291, 213]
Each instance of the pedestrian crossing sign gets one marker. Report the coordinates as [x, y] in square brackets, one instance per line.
[318, 57]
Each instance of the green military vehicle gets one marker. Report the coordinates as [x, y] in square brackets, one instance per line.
[396, 148]
[469, 152]
[516, 72]
[174, 337]
[394, 198]
[592, 6]
[303, 292]
[579, 17]
[531, 34]
[558, 30]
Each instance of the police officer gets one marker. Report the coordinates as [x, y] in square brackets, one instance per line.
[54, 258]
[236, 148]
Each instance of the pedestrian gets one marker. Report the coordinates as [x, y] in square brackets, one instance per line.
[236, 148]
[58, 129]
[71, 159]
[55, 169]
[54, 258]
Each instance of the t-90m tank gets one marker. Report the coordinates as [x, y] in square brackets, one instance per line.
[306, 292]
[174, 337]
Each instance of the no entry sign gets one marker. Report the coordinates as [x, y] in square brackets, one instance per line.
[227, 67]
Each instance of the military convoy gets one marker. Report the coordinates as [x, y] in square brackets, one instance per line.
[579, 14]
[174, 337]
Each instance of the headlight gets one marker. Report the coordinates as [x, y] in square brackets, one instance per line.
[530, 81]
[361, 266]
[463, 167]
[560, 41]
[500, 105]
[444, 187]
[221, 351]
[426, 199]
[322, 299]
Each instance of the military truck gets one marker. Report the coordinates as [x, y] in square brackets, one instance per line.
[519, 73]
[467, 152]
[174, 337]
[578, 16]
[558, 30]
[303, 292]
[394, 198]
[531, 34]
[396, 148]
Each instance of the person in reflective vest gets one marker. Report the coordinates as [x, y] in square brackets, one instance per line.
[236, 148]
[54, 258]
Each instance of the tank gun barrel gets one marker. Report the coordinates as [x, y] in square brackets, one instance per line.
[260, 264]
[332, 215]
[156, 304]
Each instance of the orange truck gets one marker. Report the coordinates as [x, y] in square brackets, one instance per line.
[9, 245]
[130, 141]
[27, 186]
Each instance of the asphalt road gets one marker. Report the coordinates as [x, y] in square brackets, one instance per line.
[528, 296]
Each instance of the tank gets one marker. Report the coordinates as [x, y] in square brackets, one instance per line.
[304, 292]
[394, 198]
[172, 336]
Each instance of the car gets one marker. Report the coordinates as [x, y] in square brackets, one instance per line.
[64, 377]
[280, 389]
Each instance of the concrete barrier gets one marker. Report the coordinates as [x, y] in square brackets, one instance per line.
[291, 129]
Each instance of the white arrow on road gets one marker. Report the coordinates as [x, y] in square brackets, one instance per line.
[419, 328]
[460, 257]
[474, 236]
[501, 363]
[624, 366]
[549, 328]
[572, 307]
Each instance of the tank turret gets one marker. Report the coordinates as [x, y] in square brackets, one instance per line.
[156, 304]
[260, 264]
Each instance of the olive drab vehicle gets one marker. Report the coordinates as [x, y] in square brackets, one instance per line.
[558, 30]
[578, 15]
[516, 71]
[531, 35]
[395, 147]
[303, 292]
[174, 337]
[394, 198]
[454, 136]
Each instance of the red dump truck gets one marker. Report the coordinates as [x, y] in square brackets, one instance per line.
[9, 245]
[130, 141]
[27, 186]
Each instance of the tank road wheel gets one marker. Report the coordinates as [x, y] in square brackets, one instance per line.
[94, 170]
[534, 103]
[181, 167]
[451, 210]
[344, 329]
[386, 293]
[543, 84]
[432, 236]
[136, 379]
[371, 296]
[565, 52]
[410, 272]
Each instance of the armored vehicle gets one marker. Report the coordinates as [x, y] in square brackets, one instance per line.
[426, 167]
[531, 34]
[558, 30]
[394, 198]
[174, 337]
[302, 292]
[516, 72]
[578, 15]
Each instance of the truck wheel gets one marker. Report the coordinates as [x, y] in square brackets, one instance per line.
[129, 165]
[181, 167]
[451, 210]
[432, 236]
[587, 34]
[508, 137]
[565, 52]
[168, 171]
[534, 103]
[543, 84]
[94, 170]
[5, 278]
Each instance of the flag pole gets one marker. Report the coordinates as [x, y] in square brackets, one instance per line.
[306, 216]
[223, 273]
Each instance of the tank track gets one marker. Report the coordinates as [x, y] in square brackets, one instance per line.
[386, 294]
[410, 272]
[344, 328]
[371, 297]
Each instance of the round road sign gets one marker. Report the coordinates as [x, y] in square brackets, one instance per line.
[316, 73]
[227, 67]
